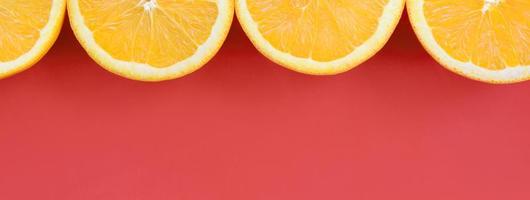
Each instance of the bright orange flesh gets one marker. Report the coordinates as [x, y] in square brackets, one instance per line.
[493, 37]
[321, 30]
[150, 36]
[20, 25]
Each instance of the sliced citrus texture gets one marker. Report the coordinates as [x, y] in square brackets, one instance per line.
[151, 40]
[319, 37]
[485, 40]
[28, 30]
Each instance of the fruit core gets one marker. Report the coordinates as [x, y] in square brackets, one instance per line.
[488, 4]
[148, 5]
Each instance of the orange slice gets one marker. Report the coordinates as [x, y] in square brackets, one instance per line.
[485, 40]
[319, 37]
[28, 30]
[151, 40]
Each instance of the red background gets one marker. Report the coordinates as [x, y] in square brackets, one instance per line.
[242, 128]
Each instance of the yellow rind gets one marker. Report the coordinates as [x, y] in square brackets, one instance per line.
[387, 25]
[143, 72]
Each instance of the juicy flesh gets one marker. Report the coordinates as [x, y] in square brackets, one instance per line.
[493, 34]
[320, 30]
[159, 33]
[20, 25]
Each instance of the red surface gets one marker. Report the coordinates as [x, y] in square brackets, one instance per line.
[242, 128]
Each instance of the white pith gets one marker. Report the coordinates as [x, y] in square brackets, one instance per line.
[387, 24]
[507, 75]
[48, 34]
[145, 72]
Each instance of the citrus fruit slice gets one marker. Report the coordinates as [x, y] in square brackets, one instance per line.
[28, 30]
[319, 37]
[151, 40]
[485, 40]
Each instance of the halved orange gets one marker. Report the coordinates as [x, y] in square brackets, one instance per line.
[486, 40]
[319, 37]
[28, 30]
[151, 40]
